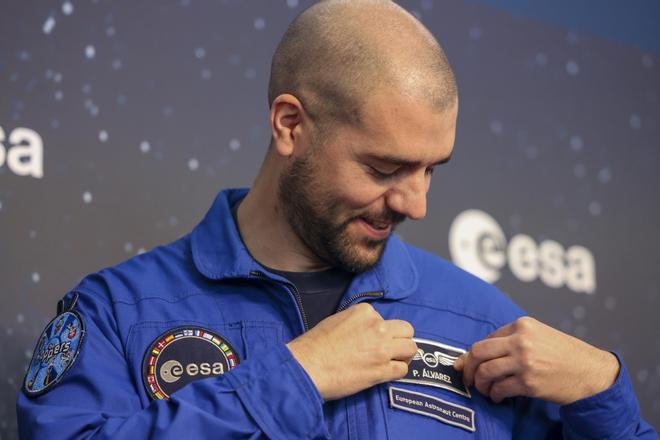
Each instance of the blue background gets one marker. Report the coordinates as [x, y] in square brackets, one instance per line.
[146, 109]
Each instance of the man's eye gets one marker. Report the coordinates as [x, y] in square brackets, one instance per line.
[381, 174]
[430, 170]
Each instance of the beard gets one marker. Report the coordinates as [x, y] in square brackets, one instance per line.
[317, 217]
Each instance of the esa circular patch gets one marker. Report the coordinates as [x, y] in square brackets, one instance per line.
[183, 355]
[55, 353]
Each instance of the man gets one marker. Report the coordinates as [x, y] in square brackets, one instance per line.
[292, 311]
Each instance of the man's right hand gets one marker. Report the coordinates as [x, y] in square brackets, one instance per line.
[354, 350]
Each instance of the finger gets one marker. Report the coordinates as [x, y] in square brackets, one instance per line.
[403, 349]
[398, 328]
[492, 371]
[505, 330]
[510, 386]
[395, 370]
[521, 325]
[460, 362]
[483, 351]
[363, 308]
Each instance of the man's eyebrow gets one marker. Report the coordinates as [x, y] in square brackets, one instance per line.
[395, 160]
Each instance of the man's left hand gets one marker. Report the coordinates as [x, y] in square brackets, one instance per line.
[529, 358]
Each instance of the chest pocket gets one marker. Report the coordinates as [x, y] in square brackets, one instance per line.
[166, 356]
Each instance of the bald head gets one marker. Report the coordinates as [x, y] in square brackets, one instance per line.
[338, 52]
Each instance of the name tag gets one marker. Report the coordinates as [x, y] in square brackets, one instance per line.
[430, 406]
[433, 365]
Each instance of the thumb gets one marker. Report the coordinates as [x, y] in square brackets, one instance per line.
[460, 362]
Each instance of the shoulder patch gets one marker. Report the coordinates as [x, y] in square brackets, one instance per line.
[183, 355]
[55, 353]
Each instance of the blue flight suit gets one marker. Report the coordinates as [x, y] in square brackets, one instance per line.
[207, 279]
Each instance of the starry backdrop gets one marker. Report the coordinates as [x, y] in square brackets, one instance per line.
[142, 111]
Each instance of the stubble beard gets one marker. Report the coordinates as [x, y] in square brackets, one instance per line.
[315, 216]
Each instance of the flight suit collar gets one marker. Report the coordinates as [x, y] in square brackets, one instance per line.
[218, 252]
[217, 249]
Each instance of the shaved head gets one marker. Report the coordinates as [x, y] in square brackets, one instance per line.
[338, 52]
[363, 106]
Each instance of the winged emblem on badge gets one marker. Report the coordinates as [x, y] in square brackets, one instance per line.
[434, 359]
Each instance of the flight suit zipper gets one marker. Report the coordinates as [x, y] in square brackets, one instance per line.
[352, 299]
[292, 290]
[351, 409]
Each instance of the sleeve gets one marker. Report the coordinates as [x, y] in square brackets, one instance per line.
[267, 396]
[612, 414]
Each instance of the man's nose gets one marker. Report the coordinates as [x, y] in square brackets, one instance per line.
[408, 197]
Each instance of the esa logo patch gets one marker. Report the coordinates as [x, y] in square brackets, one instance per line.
[183, 355]
[55, 353]
[433, 365]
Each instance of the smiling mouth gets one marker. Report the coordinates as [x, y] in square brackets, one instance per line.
[378, 225]
[376, 230]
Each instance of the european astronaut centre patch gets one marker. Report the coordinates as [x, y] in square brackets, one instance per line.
[433, 365]
[430, 406]
[183, 355]
[55, 353]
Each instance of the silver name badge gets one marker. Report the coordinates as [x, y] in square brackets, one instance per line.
[433, 365]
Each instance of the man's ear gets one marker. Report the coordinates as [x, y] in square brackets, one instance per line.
[286, 115]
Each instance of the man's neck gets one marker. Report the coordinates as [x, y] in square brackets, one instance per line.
[267, 234]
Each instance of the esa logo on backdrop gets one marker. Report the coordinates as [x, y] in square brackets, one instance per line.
[23, 152]
[478, 245]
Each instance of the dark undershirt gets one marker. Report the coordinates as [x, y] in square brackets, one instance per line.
[320, 292]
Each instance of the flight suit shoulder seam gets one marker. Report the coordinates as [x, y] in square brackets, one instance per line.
[110, 304]
[94, 294]
[170, 299]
